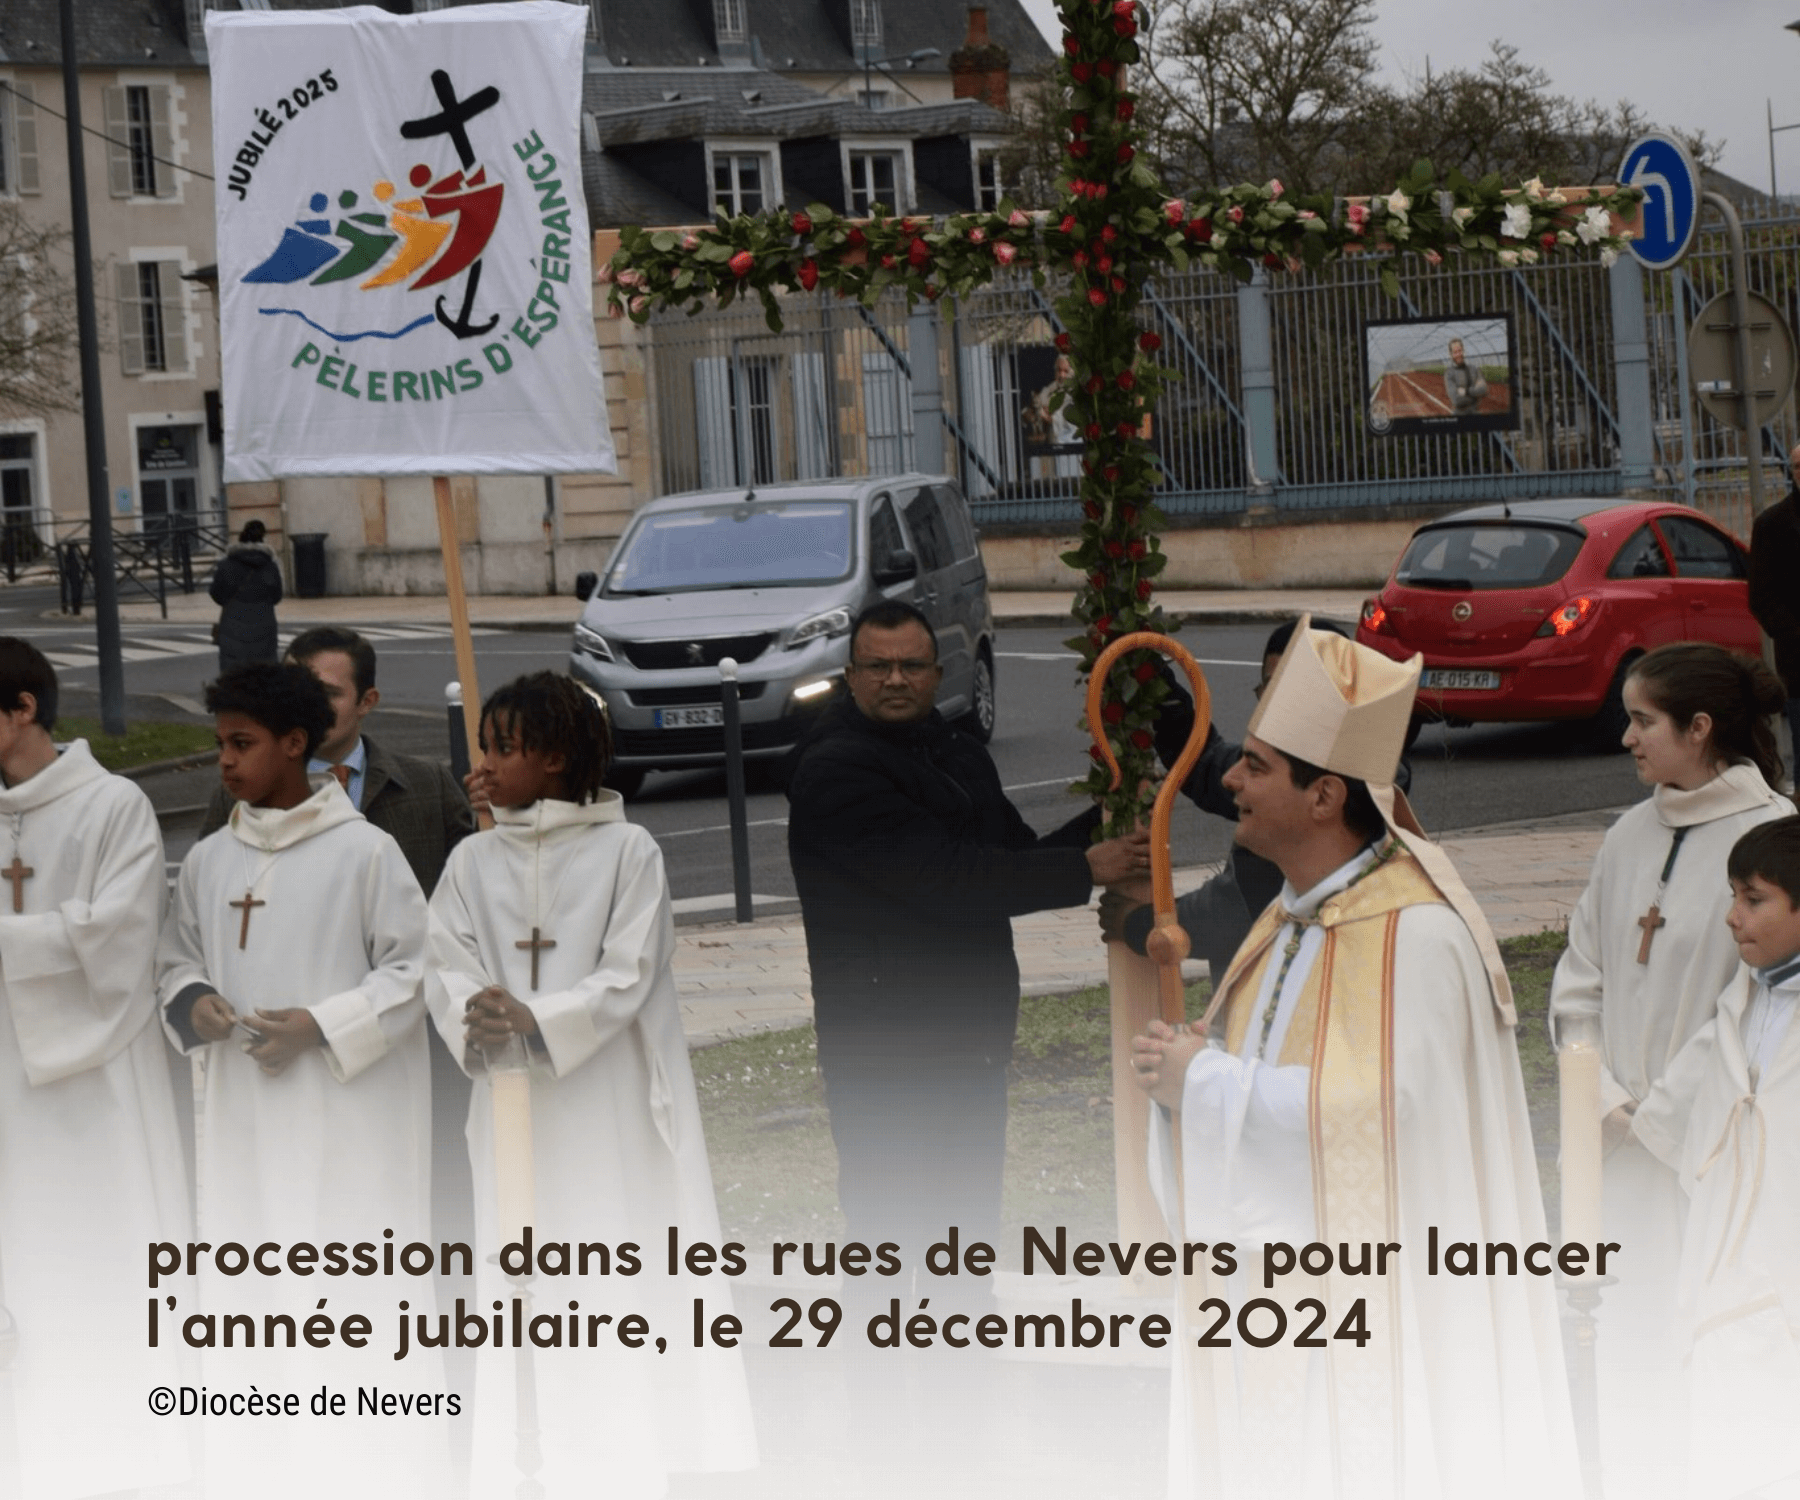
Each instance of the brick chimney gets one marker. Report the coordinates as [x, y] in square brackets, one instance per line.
[981, 69]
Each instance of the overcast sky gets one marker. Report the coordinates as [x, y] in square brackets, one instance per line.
[1698, 64]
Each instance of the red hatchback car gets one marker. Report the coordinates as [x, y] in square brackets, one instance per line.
[1536, 610]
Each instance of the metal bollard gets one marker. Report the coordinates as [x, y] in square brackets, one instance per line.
[734, 787]
[459, 735]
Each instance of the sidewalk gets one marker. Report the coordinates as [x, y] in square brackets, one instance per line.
[734, 980]
[533, 612]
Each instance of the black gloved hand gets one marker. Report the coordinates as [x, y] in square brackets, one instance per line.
[1174, 717]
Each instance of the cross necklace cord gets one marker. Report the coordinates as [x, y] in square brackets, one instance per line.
[537, 942]
[250, 901]
[1653, 919]
[1290, 950]
[18, 872]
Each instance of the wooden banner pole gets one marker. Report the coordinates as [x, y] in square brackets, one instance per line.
[459, 621]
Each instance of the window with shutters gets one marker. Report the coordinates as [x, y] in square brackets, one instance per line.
[140, 141]
[152, 320]
[18, 139]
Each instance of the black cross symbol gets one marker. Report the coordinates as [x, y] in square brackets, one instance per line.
[456, 114]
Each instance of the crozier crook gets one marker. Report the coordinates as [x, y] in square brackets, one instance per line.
[1168, 943]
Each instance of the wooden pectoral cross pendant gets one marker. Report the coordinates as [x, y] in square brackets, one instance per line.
[244, 906]
[18, 873]
[1650, 921]
[535, 944]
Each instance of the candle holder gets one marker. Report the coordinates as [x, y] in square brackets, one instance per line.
[509, 1082]
[1578, 1065]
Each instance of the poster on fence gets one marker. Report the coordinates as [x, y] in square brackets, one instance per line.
[1439, 375]
[405, 277]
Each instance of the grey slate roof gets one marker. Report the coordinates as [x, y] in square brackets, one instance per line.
[812, 36]
[634, 106]
[108, 33]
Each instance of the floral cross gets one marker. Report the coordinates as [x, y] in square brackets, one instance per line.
[1115, 227]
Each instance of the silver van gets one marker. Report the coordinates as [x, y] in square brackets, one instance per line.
[772, 577]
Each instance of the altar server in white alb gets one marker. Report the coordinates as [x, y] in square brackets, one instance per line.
[552, 937]
[90, 1159]
[1649, 953]
[294, 956]
[1361, 1088]
[1727, 1117]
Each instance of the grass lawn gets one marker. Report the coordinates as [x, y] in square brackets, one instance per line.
[776, 1172]
[142, 742]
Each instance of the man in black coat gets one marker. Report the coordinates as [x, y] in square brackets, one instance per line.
[910, 863]
[1775, 589]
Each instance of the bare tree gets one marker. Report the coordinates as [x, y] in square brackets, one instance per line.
[1244, 90]
[38, 337]
[1032, 155]
[1501, 117]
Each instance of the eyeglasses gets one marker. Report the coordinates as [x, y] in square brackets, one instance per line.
[880, 671]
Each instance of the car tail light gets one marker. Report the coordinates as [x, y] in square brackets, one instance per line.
[1375, 617]
[1566, 618]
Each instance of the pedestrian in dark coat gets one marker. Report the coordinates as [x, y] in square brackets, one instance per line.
[247, 586]
[1775, 589]
[910, 864]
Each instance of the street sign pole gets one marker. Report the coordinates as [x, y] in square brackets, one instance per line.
[93, 417]
[1746, 395]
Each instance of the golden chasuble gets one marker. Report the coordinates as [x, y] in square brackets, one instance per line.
[1342, 1029]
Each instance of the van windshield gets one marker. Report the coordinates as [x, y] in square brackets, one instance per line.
[1482, 556]
[760, 545]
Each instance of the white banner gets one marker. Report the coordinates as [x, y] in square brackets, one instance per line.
[405, 283]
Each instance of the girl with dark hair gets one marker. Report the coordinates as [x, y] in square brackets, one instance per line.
[1648, 955]
[551, 948]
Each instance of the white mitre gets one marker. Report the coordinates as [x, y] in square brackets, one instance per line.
[1346, 708]
[1341, 706]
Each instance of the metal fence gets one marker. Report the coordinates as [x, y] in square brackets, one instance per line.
[1267, 407]
[1700, 460]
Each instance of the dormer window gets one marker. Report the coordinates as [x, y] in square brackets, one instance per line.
[728, 21]
[865, 23]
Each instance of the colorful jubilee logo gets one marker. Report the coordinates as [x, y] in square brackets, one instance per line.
[406, 240]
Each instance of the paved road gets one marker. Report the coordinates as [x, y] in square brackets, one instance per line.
[1463, 778]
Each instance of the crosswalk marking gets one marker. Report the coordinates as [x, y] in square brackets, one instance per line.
[141, 647]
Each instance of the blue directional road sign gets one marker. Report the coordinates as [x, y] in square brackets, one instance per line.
[1660, 167]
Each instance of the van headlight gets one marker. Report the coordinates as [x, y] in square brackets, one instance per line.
[592, 643]
[832, 623]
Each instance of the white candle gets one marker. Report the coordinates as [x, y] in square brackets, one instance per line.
[513, 1177]
[1578, 1072]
